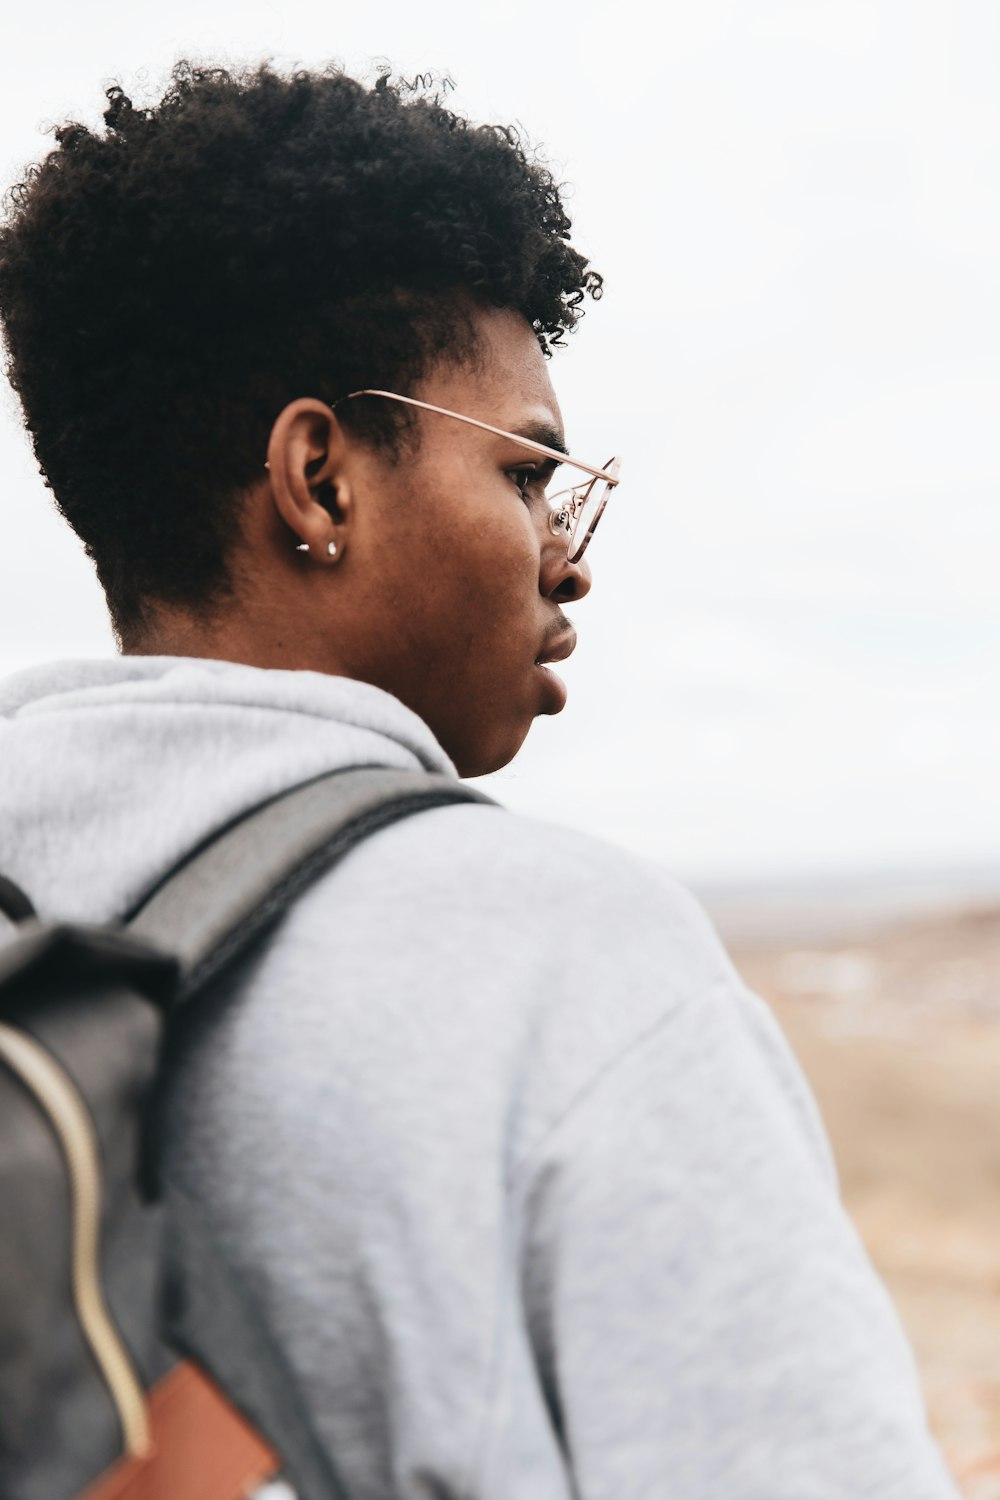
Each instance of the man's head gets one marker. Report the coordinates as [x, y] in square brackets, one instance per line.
[199, 287]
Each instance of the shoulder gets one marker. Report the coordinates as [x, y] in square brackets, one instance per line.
[497, 882]
[565, 961]
[527, 865]
[537, 951]
[463, 985]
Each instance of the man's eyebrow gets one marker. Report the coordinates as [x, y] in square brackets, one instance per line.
[544, 433]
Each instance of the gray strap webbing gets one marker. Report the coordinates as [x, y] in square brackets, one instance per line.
[242, 879]
[207, 912]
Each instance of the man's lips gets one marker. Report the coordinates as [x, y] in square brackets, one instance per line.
[557, 649]
[563, 645]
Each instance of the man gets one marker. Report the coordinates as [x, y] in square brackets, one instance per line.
[522, 1186]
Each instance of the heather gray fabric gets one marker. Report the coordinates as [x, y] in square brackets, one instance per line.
[525, 1218]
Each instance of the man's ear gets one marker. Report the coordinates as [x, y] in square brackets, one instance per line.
[306, 461]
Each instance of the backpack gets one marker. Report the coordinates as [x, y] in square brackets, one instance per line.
[109, 1288]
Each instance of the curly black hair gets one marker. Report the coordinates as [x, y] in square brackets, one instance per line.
[151, 282]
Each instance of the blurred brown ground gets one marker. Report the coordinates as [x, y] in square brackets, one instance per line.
[899, 1034]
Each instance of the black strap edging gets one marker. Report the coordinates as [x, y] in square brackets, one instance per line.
[220, 899]
[14, 902]
[323, 858]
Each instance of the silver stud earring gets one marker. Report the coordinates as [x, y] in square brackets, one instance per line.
[331, 549]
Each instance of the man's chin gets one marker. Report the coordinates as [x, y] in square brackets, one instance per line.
[554, 691]
[484, 758]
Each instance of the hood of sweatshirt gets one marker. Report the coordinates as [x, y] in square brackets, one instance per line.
[111, 770]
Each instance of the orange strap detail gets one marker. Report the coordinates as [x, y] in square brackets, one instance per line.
[202, 1448]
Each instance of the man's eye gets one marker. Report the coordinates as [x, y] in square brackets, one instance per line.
[522, 479]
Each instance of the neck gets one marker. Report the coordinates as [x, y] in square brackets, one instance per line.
[226, 637]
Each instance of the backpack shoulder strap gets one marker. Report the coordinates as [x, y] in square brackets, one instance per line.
[239, 881]
[207, 912]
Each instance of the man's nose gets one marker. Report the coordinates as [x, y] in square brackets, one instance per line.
[561, 580]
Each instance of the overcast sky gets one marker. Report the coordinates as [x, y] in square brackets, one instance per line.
[790, 660]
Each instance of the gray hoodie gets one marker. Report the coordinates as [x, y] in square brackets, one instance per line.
[525, 1187]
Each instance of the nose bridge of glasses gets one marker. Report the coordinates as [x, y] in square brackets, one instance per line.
[566, 508]
[578, 492]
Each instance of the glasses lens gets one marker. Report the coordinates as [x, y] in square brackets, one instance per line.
[595, 498]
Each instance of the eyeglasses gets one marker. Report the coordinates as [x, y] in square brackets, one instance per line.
[574, 512]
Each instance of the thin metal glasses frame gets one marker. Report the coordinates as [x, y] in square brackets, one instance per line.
[563, 517]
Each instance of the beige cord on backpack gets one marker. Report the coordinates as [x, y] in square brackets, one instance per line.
[59, 1098]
